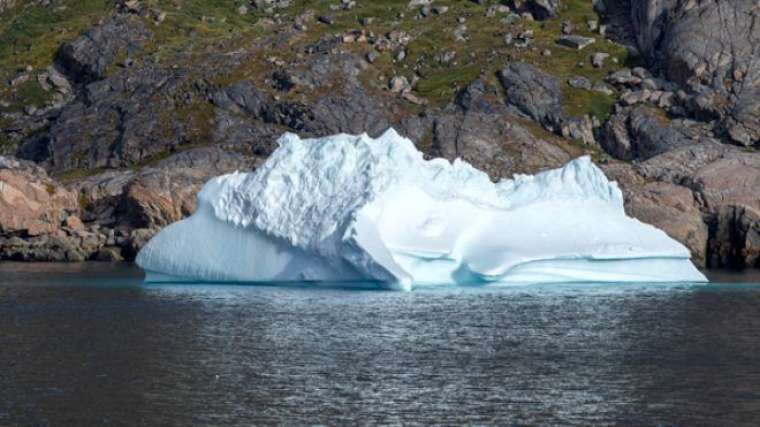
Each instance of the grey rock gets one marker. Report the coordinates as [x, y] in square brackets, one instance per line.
[635, 97]
[709, 48]
[597, 60]
[644, 132]
[533, 92]
[87, 58]
[481, 130]
[580, 82]
[602, 88]
[624, 77]
[576, 42]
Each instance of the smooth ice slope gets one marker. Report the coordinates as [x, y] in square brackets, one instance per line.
[353, 208]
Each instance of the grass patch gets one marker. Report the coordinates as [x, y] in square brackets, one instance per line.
[31, 34]
[75, 175]
[579, 102]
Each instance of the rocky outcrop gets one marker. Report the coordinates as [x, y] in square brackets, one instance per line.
[31, 203]
[166, 193]
[87, 58]
[725, 180]
[673, 208]
[481, 130]
[533, 92]
[39, 218]
[710, 49]
[539, 96]
[119, 122]
[643, 132]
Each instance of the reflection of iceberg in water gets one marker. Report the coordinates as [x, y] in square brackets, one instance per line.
[351, 208]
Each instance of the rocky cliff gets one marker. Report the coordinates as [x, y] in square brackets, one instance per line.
[111, 122]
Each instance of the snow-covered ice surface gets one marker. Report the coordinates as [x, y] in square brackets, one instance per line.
[356, 209]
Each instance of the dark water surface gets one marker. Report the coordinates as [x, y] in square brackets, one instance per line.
[89, 345]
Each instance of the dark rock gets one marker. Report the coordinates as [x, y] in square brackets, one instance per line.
[109, 254]
[121, 121]
[644, 132]
[539, 96]
[540, 9]
[87, 58]
[735, 239]
[329, 20]
[533, 92]
[709, 48]
[478, 128]
[137, 240]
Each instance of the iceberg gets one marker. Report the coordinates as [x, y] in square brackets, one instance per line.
[350, 208]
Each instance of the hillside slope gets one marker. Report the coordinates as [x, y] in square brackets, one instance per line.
[114, 113]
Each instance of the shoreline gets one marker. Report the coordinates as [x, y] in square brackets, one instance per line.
[716, 275]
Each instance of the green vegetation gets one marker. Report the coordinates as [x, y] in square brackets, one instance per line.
[74, 175]
[578, 102]
[186, 31]
[84, 202]
[31, 34]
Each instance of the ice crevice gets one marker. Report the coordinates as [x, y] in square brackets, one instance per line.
[351, 208]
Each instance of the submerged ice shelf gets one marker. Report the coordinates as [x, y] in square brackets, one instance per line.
[353, 208]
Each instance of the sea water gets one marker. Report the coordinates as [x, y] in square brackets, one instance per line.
[91, 345]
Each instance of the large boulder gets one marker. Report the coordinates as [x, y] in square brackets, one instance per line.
[533, 92]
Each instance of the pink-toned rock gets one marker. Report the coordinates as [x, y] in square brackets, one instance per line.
[669, 207]
[731, 181]
[673, 209]
[31, 202]
[74, 223]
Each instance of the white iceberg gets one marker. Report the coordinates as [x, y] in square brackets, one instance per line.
[355, 209]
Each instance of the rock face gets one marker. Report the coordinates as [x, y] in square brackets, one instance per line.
[673, 208]
[39, 218]
[710, 49]
[643, 132]
[164, 194]
[31, 203]
[725, 180]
